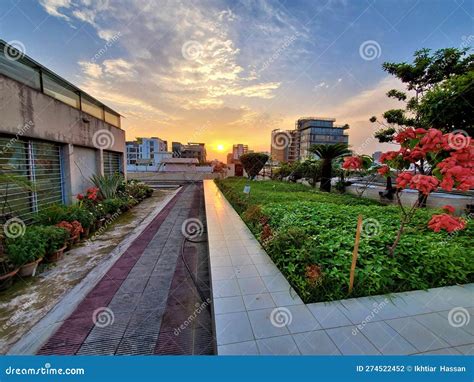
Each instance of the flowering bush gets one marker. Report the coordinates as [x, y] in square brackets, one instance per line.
[442, 160]
[91, 194]
[74, 227]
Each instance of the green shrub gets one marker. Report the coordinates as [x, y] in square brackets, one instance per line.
[114, 205]
[310, 227]
[51, 215]
[82, 214]
[26, 248]
[107, 184]
[56, 237]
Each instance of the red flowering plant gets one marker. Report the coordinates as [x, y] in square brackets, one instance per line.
[362, 165]
[74, 228]
[426, 161]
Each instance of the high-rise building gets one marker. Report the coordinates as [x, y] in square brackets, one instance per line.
[238, 150]
[316, 130]
[293, 145]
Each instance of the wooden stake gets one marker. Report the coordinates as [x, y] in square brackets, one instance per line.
[355, 253]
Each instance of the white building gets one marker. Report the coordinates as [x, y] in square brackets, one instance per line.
[146, 154]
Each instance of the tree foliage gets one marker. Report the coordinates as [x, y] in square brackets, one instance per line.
[253, 163]
[328, 153]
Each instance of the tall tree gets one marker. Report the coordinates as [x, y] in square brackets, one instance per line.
[439, 94]
[328, 153]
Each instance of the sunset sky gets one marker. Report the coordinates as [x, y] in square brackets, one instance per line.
[224, 72]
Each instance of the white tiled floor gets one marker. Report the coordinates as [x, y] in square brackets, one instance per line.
[257, 312]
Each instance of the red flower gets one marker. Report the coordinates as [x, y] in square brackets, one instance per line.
[352, 163]
[403, 135]
[384, 170]
[424, 183]
[80, 196]
[313, 273]
[389, 155]
[448, 209]
[432, 141]
[446, 222]
[404, 179]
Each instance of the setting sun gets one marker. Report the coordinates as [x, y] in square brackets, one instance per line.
[220, 147]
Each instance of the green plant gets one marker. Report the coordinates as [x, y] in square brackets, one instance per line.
[56, 237]
[82, 214]
[26, 248]
[107, 184]
[312, 229]
[51, 215]
[114, 205]
[328, 153]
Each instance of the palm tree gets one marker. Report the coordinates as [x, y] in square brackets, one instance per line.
[327, 153]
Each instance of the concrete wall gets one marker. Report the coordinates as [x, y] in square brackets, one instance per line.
[27, 113]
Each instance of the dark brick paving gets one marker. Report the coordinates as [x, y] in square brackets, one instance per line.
[149, 293]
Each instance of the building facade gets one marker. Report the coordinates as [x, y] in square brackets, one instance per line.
[146, 153]
[52, 134]
[191, 150]
[238, 150]
[293, 145]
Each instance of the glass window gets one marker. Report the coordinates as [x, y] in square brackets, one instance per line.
[92, 107]
[47, 169]
[112, 118]
[112, 162]
[19, 71]
[61, 91]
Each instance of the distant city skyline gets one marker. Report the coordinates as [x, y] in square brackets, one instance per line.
[224, 72]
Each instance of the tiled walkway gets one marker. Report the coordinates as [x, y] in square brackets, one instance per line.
[145, 296]
[257, 312]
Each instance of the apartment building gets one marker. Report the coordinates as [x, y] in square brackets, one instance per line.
[191, 150]
[146, 152]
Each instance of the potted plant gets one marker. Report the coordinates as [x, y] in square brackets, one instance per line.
[74, 228]
[7, 272]
[26, 251]
[56, 242]
[82, 214]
